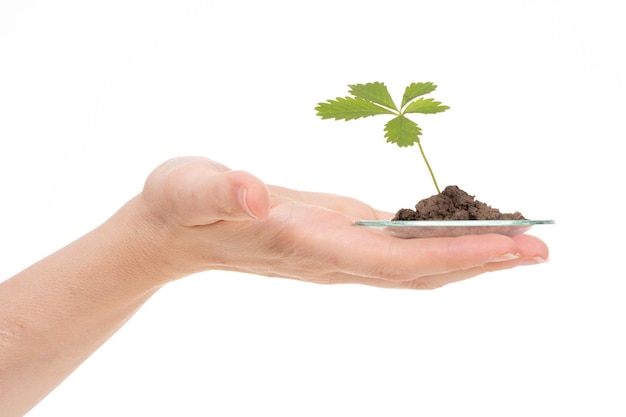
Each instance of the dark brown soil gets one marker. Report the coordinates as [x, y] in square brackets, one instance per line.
[454, 204]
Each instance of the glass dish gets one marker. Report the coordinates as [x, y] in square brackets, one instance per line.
[451, 228]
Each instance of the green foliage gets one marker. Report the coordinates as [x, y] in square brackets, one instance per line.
[374, 92]
[349, 108]
[372, 99]
[401, 130]
[415, 90]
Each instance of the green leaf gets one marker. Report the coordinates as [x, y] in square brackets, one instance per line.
[426, 106]
[349, 108]
[402, 131]
[415, 90]
[375, 92]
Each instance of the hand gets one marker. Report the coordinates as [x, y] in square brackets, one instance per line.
[195, 215]
[216, 218]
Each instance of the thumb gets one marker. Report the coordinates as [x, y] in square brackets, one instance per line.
[228, 195]
[198, 191]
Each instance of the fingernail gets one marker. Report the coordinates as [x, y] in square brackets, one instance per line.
[533, 261]
[243, 202]
[505, 257]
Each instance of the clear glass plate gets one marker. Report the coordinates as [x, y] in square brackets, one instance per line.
[451, 228]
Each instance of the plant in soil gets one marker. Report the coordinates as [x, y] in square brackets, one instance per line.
[373, 99]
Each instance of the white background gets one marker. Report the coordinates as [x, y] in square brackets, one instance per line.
[94, 95]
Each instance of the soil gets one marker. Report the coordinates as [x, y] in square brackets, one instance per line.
[454, 204]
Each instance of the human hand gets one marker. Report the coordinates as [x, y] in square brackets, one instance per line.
[194, 215]
[211, 217]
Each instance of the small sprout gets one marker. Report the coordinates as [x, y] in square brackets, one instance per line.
[373, 98]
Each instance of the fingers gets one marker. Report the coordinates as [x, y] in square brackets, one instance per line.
[493, 253]
[532, 251]
[392, 259]
[431, 257]
[467, 256]
[334, 246]
[430, 262]
[428, 282]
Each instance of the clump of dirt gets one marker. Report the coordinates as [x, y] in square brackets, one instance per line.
[454, 204]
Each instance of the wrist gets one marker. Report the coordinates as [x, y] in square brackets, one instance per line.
[141, 244]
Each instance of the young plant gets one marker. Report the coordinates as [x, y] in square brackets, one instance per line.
[373, 98]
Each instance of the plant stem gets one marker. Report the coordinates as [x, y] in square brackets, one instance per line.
[428, 165]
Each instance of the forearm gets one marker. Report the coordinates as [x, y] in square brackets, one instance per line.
[57, 312]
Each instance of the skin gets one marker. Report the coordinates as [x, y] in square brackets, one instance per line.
[195, 215]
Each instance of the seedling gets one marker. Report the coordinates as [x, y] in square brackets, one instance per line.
[373, 98]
